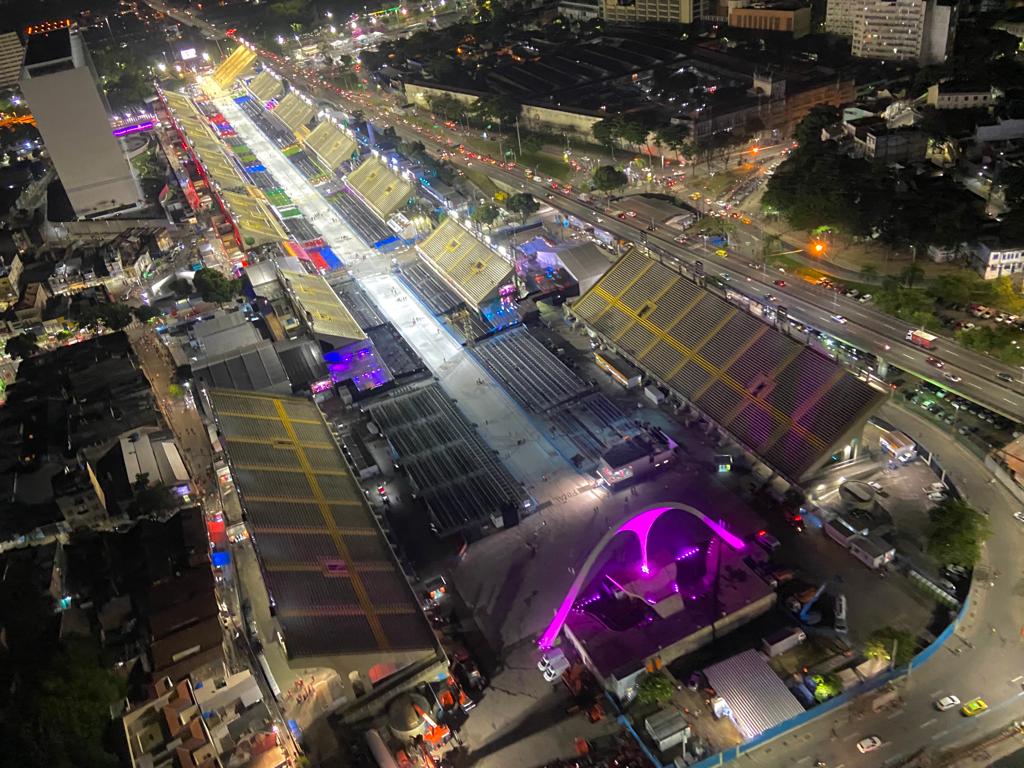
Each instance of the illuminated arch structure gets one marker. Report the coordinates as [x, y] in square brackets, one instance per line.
[640, 526]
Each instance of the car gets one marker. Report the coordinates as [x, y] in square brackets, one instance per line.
[1008, 378]
[771, 297]
[974, 707]
[953, 378]
[725, 276]
[780, 283]
[865, 298]
[721, 252]
[935, 361]
[946, 703]
[768, 541]
[870, 744]
[875, 484]
[1019, 517]
[936, 496]
[839, 319]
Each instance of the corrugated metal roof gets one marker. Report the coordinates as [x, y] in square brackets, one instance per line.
[757, 697]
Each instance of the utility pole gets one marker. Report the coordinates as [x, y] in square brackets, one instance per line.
[519, 139]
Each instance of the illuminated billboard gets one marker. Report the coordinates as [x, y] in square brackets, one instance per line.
[187, 54]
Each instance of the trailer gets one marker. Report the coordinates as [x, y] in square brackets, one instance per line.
[922, 338]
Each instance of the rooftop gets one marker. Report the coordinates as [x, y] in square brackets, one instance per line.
[471, 267]
[382, 189]
[783, 401]
[328, 318]
[332, 575]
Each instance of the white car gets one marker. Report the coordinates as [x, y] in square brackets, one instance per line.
[936, 496]
[875, 484]
[870, 744]
[839, 319]
[946, 703]
[1019, 517]
[953, 378]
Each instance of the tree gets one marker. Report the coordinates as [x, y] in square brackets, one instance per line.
[523, 204]
[674, 136]
[607, 177]
[956, 532]
[808, 130]
[485, 214]
[497, 107]
[214, 287]
[180, 287]
[882, 642]
[604, 131]
[114, 316]
[827, 686]
[150, 499]
[21, 346]
[145, 313]
[654, 688]
[910, 275]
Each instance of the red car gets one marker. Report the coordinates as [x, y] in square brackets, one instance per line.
[935, 361]
[780, 283]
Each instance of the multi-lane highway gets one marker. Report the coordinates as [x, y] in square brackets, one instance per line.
[974, 376]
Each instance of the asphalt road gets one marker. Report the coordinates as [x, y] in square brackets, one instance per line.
[985, 658]
[865, 328]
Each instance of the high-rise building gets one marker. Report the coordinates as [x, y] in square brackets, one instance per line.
[62, 89]
[901, 30]
[839, 16]
[669, 11]
[11, 54]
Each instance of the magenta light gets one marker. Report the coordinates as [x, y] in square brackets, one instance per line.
[133, 128]
[644, 568]
[640, 525]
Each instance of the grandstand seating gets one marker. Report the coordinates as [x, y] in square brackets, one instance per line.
[293, 112]
[330, 145]
[783, 401]
[381, 189]
[256, 222]
[472, 269]
[265, 86]
[234, 66]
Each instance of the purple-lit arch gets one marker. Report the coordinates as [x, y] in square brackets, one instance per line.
[640, 525]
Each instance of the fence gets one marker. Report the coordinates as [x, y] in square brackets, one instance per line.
[832, 705]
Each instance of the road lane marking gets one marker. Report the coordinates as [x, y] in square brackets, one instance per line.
[935, 694]
[803, 759]
[927, 723]
[894, 715]
[1017, 679]
[937, 736]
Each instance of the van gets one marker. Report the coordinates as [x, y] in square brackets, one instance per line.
[767, 541]
[840, 614]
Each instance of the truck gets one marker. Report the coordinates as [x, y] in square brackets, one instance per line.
[922, 338]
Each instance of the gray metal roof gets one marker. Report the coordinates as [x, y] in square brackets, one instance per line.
[756, 695]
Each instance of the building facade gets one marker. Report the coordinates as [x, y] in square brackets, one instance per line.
[62, 88]
[903, 30]
[839, 17]
[956, 96]
[669, 11]
[795, 20]
[11, 54]
[993, 260]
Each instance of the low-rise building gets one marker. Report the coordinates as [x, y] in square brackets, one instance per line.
[957, 95]
[894, 145]
[993, 259]
[169, 730]
[790, 17]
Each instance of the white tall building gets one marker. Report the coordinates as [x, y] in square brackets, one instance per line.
[11, 54]
[839, 16]
[901, 30]
[60, 83]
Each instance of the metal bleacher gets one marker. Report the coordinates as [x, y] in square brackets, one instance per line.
[438, 297]
[785, 402]
[369, 228]
[451, 467]
[535, 378]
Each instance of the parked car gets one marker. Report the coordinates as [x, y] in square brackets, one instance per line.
[869, 744]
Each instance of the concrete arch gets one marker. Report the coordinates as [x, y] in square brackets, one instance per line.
[640, 525]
